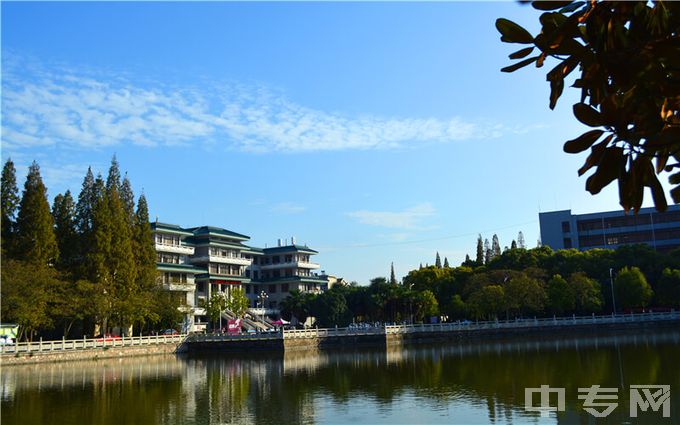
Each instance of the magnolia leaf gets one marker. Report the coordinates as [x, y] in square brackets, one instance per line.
[513, 33]
[518, 65]
[550, 5]
[522, 53]
[612, 163]
[587, 115]
[582, 142]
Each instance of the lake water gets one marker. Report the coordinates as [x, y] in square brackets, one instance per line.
[473, 383]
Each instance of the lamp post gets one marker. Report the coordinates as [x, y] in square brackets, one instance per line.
[223, 299]
[263, 296]
[611, 280]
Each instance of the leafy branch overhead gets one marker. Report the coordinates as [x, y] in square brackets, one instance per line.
[628, 56]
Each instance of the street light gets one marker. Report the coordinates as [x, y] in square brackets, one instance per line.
[263, 296]
[611, 280]
[223, 295]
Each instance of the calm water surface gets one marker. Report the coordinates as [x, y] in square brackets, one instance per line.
[480, 383]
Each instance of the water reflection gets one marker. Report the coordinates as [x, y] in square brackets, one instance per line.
[457, 383]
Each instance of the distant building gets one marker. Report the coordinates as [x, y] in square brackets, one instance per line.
[200, 261]
[564, 230]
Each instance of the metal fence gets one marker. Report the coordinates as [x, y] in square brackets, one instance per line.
[460, 326]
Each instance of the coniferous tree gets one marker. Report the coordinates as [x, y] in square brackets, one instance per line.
[520, 240]
[145, 261]
[446, 263]
[513, 245]
[480, 251]
[64, 216]
[488, 254]
[421, 266]
[495, 246]
[10, 202]
[87, 199]
[393, 277]
[128, 198]
[35, 240]
[113, 179]
[438, 261]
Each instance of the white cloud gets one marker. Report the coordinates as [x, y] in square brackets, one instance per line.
[288, 208]
[87, 110]
[410, 218]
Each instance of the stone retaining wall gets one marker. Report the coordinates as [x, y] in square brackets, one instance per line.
[90, 354]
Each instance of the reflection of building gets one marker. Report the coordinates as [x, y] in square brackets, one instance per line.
[563, 230]
[198, 262]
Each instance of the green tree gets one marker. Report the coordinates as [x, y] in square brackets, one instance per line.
[668, 290]
[488, 253]
[524, 295]
[456, 309]
[214, 307]
[587, 293]
[480, 251]
[238, 302]
[393, 277]
[63, 214]
[631, 289]
[438, 261]
[513, 245]
[26, 292]
[36, 241]
[446, 263]
[495, 246]
[627, 56]
[426, 305]
[487, 302]
[296, 304]
[128, 198]
[561, 298]
[330, 309]
[146, 274]
[10, 201]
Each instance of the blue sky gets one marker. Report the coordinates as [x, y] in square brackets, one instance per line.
[374, 132]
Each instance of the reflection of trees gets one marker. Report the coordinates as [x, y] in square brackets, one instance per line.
[276, 388]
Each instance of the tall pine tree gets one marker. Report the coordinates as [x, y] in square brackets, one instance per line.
[495, 246]
[520, 241]
[64, 216]
[488, 254]
[480, 251]
[128, 198]
[145, 262]
[393, 277]
[438, 261]
[10, 202]
[446, 263]
[35, 242]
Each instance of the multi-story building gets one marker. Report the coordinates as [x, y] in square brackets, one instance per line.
[173, 251]
[201, 261]
[281, 269]
[563, 230]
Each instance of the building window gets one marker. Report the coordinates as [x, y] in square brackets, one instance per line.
[272, 289]
[284, 287]
[566, 227]
[567, 243]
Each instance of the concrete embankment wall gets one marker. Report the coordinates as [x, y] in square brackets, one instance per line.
[90, 354]
[509, 333]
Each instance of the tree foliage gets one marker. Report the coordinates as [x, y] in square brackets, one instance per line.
[628, 74]
[9, 201]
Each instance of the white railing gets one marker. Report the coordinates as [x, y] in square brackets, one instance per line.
[466, 325]
[177, 249]
[461, 326]
[88, 344]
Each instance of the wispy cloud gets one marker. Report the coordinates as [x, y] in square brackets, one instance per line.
[47, 105]
[410, 218]
[288, 208]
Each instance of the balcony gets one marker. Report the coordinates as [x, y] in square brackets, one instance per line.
[179, 287]
[175, 249]
[219, 259]
[291, 264]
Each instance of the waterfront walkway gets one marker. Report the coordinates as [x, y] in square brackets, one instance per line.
[461, 327]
